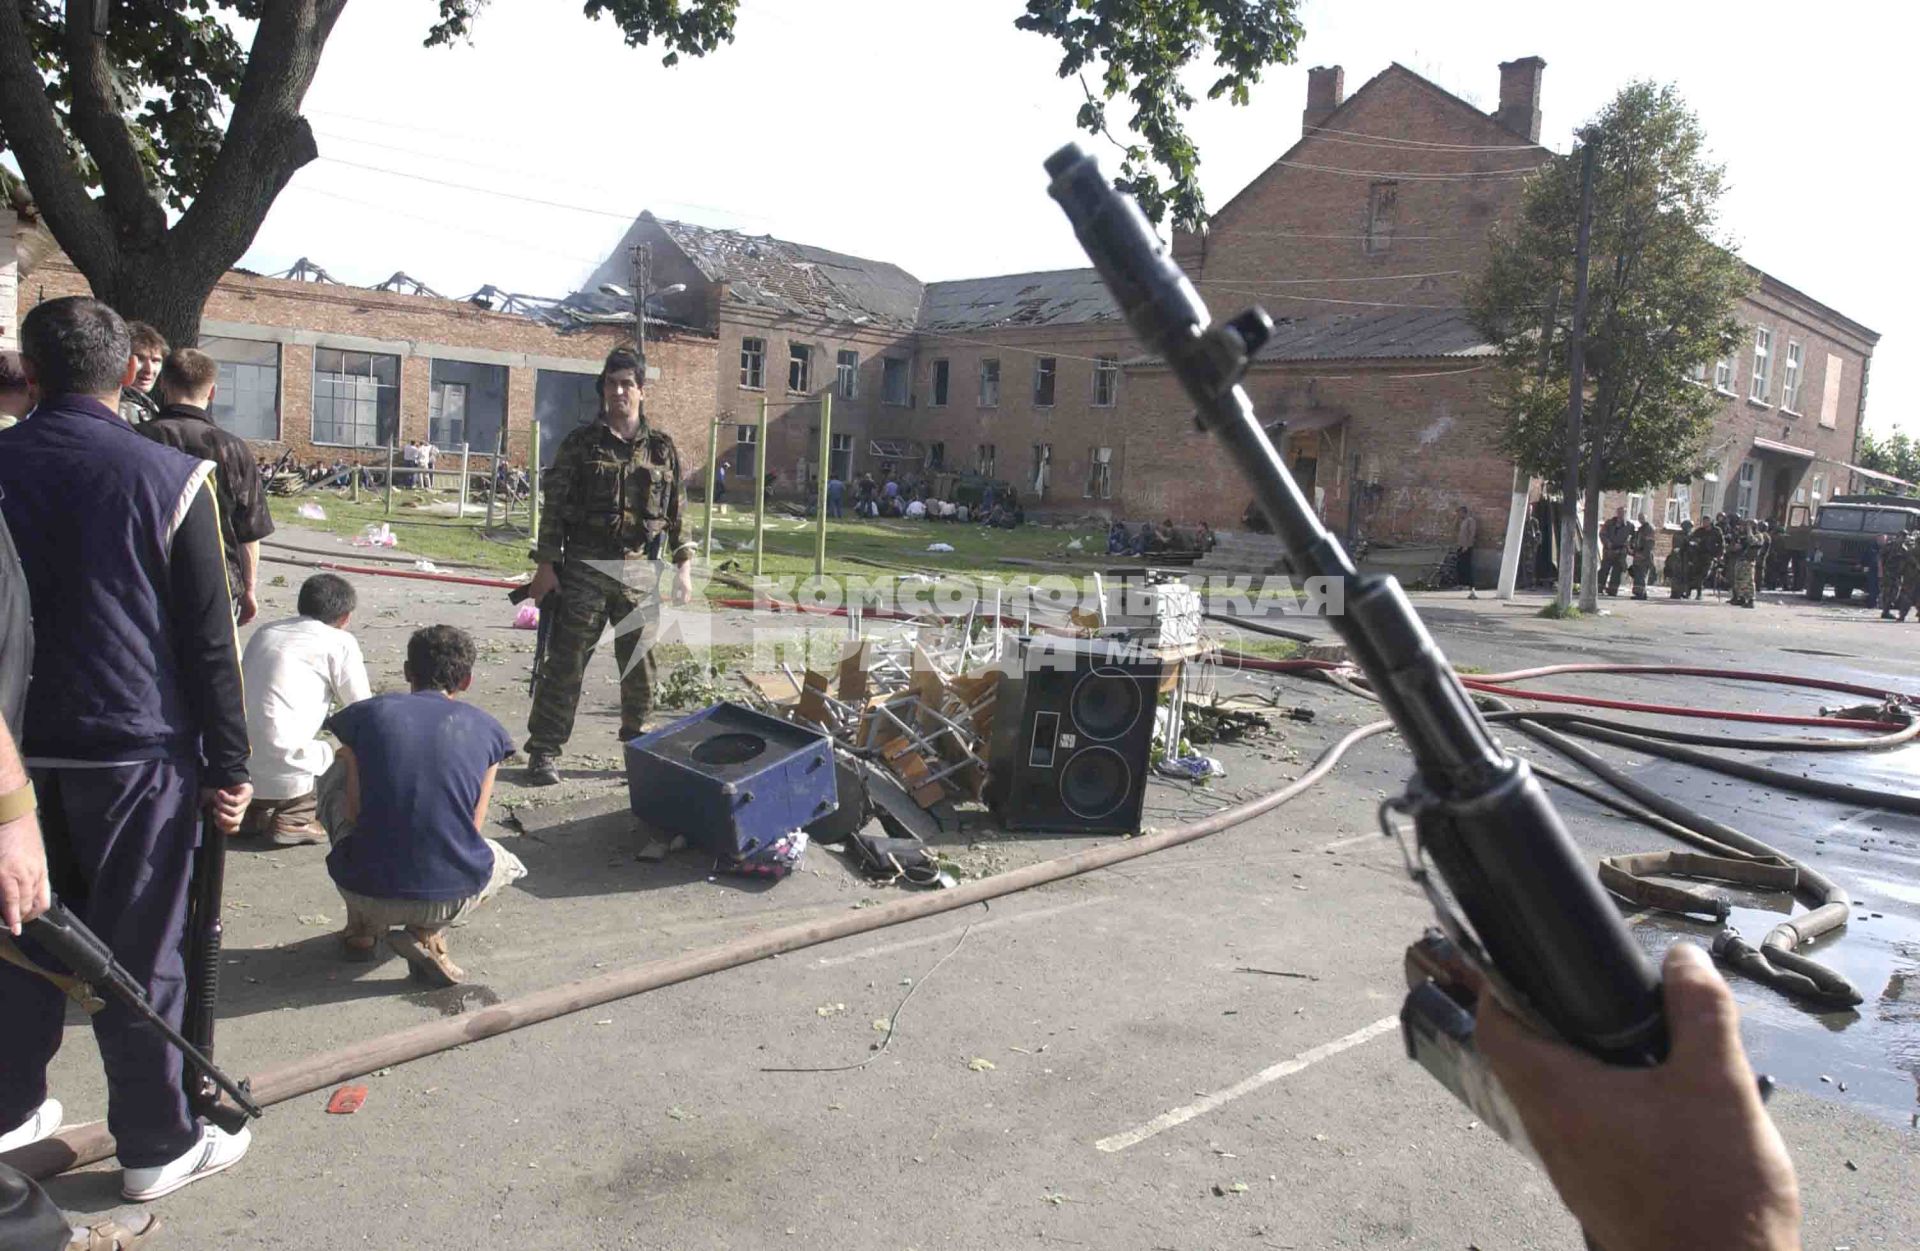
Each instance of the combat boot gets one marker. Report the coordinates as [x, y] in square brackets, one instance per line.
[541, 770]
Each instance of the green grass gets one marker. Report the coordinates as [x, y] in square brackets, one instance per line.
[862, 548]
[1553, 612]
[1268, 649]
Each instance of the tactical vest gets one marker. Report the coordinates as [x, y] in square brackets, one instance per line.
[619, 496]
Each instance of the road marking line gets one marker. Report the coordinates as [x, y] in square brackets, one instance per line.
[1286, 1068]
[945, 935]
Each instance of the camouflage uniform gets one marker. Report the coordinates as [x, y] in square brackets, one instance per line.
[1889, 575]
[1614, 539]
[1742, 549]
[1640, 547]
[1678, 559]
[1708, 545]
[610, 503]
[1907, 574]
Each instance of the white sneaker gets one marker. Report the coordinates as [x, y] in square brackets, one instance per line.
[216, 1150]
[42, 1124]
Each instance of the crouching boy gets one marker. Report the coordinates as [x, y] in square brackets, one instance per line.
[404, 804]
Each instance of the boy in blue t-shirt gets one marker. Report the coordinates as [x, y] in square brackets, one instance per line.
[404, 803]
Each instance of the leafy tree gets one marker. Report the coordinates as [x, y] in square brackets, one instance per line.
[1896, 454]
[168, 111]
[1662, 292]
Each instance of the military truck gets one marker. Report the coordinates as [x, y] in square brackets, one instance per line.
[1844, 540]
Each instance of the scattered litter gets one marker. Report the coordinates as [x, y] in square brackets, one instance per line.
[939, 547]
[426, 566]
[1193, 768]
[882, 1024]
[377, 534]
[347, 1100]
[1305, 977]
[1236, 1188]
[679, 1115]
[1825, 1078]
[980, 1064]
[1852, 1167]
[527, 616]
[314, 918]
[1057, 1199]
[1075, 545]
[312, 511]
[830, 1009]
[604, 1021]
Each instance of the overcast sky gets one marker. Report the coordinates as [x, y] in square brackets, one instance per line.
[913, 131]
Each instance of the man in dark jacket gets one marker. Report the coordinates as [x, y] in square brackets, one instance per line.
[134, 723]
[188, 383]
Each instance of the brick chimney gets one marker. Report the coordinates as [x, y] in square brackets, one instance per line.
[1326, 88]
[1520, 96]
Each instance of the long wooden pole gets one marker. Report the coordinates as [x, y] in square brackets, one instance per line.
[85, 1144]
[760, 494]
[713, 473]
[826, 463]
[1576, 386]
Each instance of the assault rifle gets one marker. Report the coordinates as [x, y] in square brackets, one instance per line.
[1530, 916]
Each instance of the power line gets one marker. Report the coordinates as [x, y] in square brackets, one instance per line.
[1419, 143]
[1432, 273]
[1241, 289]
[1519, 171]
[1397, 236]
[457, 227]
[494, 191]
[1412, 145]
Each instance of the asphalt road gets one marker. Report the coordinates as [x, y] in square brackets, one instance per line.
[1087, 1064]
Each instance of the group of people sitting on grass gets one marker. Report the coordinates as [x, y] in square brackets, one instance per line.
[1149, 539]
[912, 500]
[402, 799]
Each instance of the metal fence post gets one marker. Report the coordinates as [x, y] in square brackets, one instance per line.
[713, 461]
[465, 454]
[760, 494]
[533, 484]
[826, 463]
[389, 480]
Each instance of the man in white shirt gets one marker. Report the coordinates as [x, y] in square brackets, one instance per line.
[296, 672]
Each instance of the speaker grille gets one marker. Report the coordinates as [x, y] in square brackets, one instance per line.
[1106, 703]
[1095, 783]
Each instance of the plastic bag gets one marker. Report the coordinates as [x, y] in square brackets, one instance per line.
[939, 547]
[312, 511]
[376, 535]
[527, 616]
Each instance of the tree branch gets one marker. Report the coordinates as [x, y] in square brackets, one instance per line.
[267, 140]
[95, 120]
[33, 135]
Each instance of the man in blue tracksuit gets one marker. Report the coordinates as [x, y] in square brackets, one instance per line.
[134, 725]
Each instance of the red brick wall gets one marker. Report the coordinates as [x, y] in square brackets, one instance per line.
[298, 313]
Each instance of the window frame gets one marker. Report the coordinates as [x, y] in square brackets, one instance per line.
[837, 445]
[800, 363]
[846, 373]
[1760, 381]
[436, 411]
[331, 376]
[1678, 507]
[1042, 458]
[939, 382]
[753, 363]
[746, 434]
[937, 456]
[1099, 474]
[986, 459]
[1046, 369]
[1723, 375]
[1793, 372]
[1636, 506]
[893, 367]
[1746, 489]
[1106, 369]
[224, 410]
[1383, 201]
[989, 372]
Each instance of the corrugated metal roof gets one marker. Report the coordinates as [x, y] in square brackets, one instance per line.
[1401, 333]
[798, 278]
[1057, 297]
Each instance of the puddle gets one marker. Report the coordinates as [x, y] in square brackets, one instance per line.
[1874, 1048]
[458, 1000]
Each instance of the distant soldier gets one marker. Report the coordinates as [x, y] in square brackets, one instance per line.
[1614, 538]
[1908, 571]
[614, 511]
[1743, 548]
[1640, 547]
[1675, 571]
[1890, 579]
[1710, 544]
[1529, 552]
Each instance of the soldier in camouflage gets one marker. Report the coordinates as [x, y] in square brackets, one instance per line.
[614, 504]
[1679, 558]
[1907, 573]
[1640, 547]
[1743, 549]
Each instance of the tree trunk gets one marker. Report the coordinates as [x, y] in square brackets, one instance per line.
[1590, 584]
[146, 286]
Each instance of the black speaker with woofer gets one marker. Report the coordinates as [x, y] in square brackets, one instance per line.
[1073, 725]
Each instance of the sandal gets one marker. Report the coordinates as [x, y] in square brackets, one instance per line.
[426, 954]
[361, 946]
[113, 1236]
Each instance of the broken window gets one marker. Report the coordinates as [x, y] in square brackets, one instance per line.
[799, 368]
[840, 459]
[940, 373]
[480, 409]
[447, 414]
[1723, 375]
[746, 447]
[847, 366]
[936, 456]
[753, 364]
[983, 458]
[356, 398]
[1099, 473]
[1106, 380]
[1679, 505]
[1042, 467]
[990, 383]
[1382, 197]
[1636, 506]
[1043, 371]
[893, 381]
[247, 399]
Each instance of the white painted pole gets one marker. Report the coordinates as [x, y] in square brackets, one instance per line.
[1516, 531]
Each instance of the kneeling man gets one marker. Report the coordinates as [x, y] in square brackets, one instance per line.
[404, 804]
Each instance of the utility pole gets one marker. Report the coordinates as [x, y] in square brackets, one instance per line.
[639, 274]
[1576, 385]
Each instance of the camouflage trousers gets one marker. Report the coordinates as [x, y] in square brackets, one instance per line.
[1742, 581]
[589, 599]
[1640, 571]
